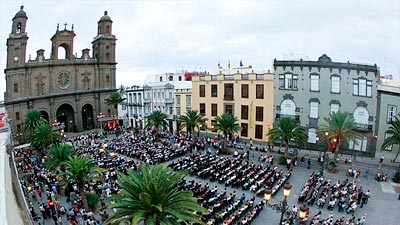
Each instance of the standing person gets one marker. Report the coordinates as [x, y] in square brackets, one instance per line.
[308, 163]
[381, 159]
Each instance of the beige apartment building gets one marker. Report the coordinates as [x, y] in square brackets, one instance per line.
[248, 96]
[182, 103]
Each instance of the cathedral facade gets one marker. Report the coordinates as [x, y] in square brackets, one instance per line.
[65, 88]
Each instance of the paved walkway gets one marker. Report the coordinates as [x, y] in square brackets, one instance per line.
[383, 198]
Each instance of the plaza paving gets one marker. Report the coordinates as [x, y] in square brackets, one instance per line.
[383, 206]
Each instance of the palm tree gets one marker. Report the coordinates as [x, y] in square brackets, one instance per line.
[58, 154]
[80, 169]
[153, 197]
[156, 120]
[340, 126]
[43, 136]
[227, 124]
[393, 133]
[287, 129]
[33, 120]
[192, 120]
[115, 99]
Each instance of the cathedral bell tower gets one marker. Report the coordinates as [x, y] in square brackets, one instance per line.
[17, 40]
[65, 39]
[104, 42]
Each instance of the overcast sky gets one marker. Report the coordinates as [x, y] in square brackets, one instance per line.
[167, 36]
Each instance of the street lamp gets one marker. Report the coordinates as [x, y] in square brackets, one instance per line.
[283, 205]
[302, 213]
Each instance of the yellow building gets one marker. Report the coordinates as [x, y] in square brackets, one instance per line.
[183, 101]
[247, 96]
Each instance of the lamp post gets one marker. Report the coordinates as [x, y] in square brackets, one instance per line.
[283, 205]
[302, 214]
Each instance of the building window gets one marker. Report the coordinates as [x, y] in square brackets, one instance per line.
[314, 109]
[362, 87]
[214, 110]
[203, 108]
[19, 129]
[334, 108]
[391, 112]
[259, 131]
[259, 113]
[228, 91]
[188, 100]
[178, 99]
[107, 56]
[245, 112]
[107, 79]
[288, 81]
[312, 135]
[245, 91]
[16, 88]
[335, 85]
[214, 90]
[107, 29]
[361, 116]
[202, 91]
[259, 91]
[229, 109]
[288, 107]
[314, 83]
[359, 144]
[171, 110]
[244, 130]
[178, 111]
[389, 148]
[17, 116]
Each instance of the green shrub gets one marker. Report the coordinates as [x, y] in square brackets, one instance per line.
[92, 200]
[396, 177]
[281, 160]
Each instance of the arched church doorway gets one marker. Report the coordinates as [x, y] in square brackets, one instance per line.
[65, 114]
[87, 117]
[44, 115]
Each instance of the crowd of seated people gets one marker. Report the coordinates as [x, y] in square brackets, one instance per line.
[345, 195]
[233, 172]
[223, 207]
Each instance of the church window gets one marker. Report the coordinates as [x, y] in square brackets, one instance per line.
[107, 29]
[40, 86]
[16, 88]
[107, 79]
[19, 27]
[17, 116]
[107, 56]
[99, 31]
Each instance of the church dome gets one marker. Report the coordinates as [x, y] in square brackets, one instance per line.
[105, 17]
[21, 13]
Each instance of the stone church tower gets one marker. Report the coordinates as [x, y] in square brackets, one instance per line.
[66, 88]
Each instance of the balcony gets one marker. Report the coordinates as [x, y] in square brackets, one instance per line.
[295, 117]
[363, 127]
[169, 100]
[228, 97]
